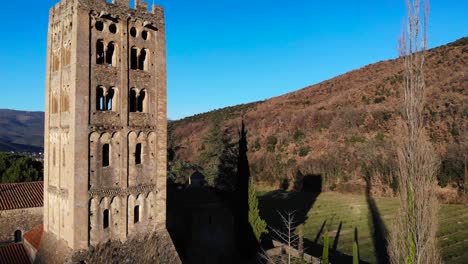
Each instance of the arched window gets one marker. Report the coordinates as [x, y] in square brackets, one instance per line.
[133, 32]
[105, 219]
[109, 99]
[142, 101]
[144, 34]
[110, 54]
[134, 58]
[142, 60]
[113, 28]
[100, 99]
[18, 236]
[99, 25]
[138, 154]
[137, 101]
[133, 100]
[105, 155]
[136, 214]
[100, 52]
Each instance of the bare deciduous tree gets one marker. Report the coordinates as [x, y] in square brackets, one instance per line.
[413, 239]
[287, 236]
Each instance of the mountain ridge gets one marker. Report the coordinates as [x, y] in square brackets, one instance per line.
[338, 127]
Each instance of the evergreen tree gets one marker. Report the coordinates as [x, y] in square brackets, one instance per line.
[212, 150]
[16, 168]
[258, 224]
[355, 253]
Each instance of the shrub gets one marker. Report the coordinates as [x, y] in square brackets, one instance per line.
[356, 139]
[298, 136]
[451, 170]
[380, 136]
[455, 131]
[256, 145]
[379, 99]
[303, 151]
[284, 184]
[365, 100]
[271, 143]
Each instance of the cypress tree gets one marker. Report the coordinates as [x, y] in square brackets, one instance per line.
[256, 222]
[326, 245]
[355, 253]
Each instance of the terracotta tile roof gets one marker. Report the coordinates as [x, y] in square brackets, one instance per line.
[34, 236]
[14, 253]
[21, 195]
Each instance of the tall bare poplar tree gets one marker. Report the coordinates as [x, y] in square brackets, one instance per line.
[413, 239]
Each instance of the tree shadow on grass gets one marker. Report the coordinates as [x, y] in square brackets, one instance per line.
[275, 202]
[377, 227]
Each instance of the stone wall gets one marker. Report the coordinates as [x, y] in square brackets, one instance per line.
[19, 219]
[155, 248]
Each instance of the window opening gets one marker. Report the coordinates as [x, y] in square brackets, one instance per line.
[100, 52]
[109, 100]
[113, 28]
[110, 54]
[136, 214]
[99, 25]
[138, 154]
[142, 60]
[144, 34]
[100, 100]
[133, 32]
[141, 101]
[133, 100]
[134, 59]
[105, 155]
[18, 236]
[105, 219]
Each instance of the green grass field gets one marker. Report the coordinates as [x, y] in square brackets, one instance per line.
[369, 219]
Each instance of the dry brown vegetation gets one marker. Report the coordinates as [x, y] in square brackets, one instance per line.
[342, 128]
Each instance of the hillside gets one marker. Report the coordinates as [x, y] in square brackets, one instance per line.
[343, 129]
[21, 131]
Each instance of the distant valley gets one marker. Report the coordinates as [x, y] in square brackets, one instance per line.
[21, 131]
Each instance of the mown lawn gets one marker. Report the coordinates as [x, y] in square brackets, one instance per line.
[368, 219]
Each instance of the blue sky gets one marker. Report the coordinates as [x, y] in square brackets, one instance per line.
[222, 53]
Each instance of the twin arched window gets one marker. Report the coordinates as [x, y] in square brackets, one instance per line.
[138, 59]
[106, 55]
[105, 98]
[138, 100]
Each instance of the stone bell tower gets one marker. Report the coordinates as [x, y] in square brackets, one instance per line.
[105, 122]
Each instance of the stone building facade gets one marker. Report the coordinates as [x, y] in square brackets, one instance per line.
[20, 210]
[105, 122]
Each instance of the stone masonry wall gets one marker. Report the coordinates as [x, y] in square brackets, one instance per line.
[19, 219]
